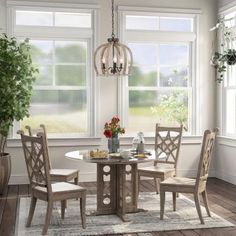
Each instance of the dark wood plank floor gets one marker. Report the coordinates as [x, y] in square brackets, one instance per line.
[222, 200]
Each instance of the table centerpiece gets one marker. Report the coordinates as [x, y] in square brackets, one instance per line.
[111, 131]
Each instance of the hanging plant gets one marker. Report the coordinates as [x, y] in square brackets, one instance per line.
[221, 60]
[226, 56]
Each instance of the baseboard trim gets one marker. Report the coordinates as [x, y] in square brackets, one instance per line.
[228, 177]
[18, 179]
[91, 176]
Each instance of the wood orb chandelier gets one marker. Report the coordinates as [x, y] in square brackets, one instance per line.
[113, 58]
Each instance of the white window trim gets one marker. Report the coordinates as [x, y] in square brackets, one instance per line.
[193, 37]
[228, 8]
[92, 98]
[228, 139]
[151, 10]
[85, 143]
[54, 5]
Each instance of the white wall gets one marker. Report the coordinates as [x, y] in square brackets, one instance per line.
[2, 15]
[225, 161]
[108, 92]
[222, 3]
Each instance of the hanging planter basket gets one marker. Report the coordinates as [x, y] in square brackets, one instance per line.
[231, 57]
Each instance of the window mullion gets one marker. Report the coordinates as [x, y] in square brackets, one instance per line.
[53, 65]
[158, 65]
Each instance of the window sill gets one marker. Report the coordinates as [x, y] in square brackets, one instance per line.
[227, 141]
[186, 140]
[97, 141]
[62, 142]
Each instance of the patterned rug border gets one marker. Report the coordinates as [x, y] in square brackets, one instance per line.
[215, 221]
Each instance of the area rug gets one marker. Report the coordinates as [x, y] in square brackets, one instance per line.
[185, 217]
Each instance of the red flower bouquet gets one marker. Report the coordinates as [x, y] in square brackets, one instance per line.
[113, 128]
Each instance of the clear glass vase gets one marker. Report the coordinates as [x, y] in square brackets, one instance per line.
[113, 144]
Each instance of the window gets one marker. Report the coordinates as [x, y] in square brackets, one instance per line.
[160, 88]
[61, 46]
[59, 19]
[229, 99]
[230, 19]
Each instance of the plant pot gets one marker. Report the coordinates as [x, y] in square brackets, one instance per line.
[5, 171]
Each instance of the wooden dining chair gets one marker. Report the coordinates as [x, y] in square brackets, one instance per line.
[167, 146]
[37, 163]
[57, 175]
[189, 185]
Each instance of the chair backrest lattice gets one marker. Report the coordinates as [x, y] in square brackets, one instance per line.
[41, 129]
[167, 144]
[206, 155]
[37, 161]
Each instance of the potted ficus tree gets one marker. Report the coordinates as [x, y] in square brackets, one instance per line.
[17, 75]
[226, 56]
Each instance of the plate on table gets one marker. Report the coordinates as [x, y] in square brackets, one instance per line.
[98, 154]
[98, 158]
[115, 155]
[134, 152]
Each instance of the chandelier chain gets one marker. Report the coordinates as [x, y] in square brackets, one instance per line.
[112, 16]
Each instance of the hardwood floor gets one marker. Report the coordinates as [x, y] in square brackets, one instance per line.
[222, 200]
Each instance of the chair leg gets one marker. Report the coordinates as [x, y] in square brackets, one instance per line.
[204, 196]
[82, 210]
[197, 203]
[63, 207]
[48, 217]
[76, 181]
[157, 185]
[162, 203]
[174, 201]
[31, 211]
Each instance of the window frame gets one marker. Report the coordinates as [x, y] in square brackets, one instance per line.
[158, 35]
[88, 34]
[226, 87]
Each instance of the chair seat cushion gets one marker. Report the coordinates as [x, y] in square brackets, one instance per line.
[154, 169]
[60, 191]
[61, 187]
[66, 187]
[179, 181]
[63, 172]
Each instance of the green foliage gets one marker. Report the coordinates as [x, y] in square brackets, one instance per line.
[221, 60]
[67, 74]
[71, 53]
[17, 75]
[174, 108]
[55, 123]
[171, 107]
[138, 78]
